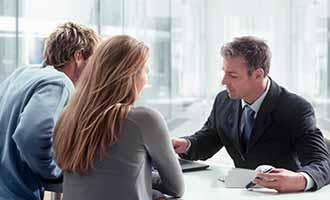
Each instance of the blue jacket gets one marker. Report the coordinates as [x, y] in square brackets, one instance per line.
[31, 101]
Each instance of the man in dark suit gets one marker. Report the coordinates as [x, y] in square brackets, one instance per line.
[260, 122]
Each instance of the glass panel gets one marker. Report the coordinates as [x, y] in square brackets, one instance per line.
[170, 28]
[7, 8]
[134, 18]
[7, 38]
[297, 33]
[310, 63]
[185, 39]
[111, 14]
[37, 21]
[149, 21]
[189, 73]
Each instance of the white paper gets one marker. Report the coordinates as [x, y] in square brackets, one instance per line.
[239, 178]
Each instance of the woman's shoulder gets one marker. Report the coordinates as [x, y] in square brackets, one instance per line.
[144, 113]
[146, 117]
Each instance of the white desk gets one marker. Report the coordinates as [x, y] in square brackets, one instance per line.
[204, 185]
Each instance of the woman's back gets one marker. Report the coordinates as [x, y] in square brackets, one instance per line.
[126, 173]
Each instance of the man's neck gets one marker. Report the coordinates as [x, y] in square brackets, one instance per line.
[68, 70]
[259, 90]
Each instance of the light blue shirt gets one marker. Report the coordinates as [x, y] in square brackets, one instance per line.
[31, 101]
[255, 106]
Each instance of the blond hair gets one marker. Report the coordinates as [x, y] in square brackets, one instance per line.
[95, 115]
[68, 38]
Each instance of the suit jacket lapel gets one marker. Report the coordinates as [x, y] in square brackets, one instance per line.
[264, 116]
[233, 121]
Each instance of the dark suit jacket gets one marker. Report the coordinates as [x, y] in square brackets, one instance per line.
[284, 135]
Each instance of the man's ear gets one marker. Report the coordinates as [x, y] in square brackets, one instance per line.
[78, 56]
[79, 60]
[259, 73]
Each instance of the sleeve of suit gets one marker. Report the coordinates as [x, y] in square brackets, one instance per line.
[205, 142]
[310, 146]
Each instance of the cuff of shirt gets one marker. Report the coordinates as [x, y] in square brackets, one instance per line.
[189, 145]
[309, 181]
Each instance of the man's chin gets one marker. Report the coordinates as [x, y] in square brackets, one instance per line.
[232, 96]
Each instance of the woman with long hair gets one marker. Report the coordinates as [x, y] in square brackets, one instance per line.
[105, 146]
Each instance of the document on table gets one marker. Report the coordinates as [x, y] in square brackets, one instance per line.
[239, 178]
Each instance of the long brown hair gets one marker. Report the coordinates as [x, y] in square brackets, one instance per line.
[96, 112]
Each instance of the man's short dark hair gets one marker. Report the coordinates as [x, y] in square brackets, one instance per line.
[255, 52]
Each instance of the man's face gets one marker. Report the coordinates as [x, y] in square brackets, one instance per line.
[238, 83]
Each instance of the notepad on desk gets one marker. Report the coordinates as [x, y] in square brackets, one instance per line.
[239, 178]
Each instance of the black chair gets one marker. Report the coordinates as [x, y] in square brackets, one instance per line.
[55, 187]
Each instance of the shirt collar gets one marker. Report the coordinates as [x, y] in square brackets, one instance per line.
[255, 106]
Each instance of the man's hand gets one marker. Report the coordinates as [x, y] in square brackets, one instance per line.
[281, 180]
[180, 145]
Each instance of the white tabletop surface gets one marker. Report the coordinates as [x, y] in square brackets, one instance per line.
[204, 185]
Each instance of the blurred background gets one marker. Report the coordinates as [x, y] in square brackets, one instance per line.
[185, 37]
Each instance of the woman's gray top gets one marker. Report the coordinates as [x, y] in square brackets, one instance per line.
[126, 172]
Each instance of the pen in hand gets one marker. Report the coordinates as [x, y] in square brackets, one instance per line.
[261, 169]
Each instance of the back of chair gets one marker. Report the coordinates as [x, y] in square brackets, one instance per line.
[56, 196]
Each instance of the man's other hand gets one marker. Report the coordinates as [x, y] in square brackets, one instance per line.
[180, 145]
[281, 180]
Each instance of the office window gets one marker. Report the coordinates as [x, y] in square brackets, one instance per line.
[310, 58]
[37, 21]
[184, 38]
[150, 21]
[8, 39]
[173, 31]
[297, 33]
[111, 17]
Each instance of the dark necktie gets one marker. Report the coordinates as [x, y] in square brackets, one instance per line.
[248, 122]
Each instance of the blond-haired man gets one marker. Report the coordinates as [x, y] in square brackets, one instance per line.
[31, 101]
